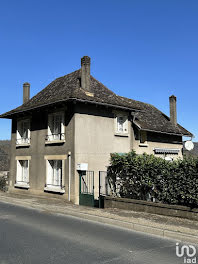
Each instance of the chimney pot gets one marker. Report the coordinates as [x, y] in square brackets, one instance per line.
[26, 92]
[85, 73]
[173, 109]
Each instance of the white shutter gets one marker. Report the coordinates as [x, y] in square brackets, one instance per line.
[18, 135]
[28, 141]
[49, 172]
[50, 127]
[63, 126]
[19, 172]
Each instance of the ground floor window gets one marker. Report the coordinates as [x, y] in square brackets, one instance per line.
[54, 173]
[22, 172]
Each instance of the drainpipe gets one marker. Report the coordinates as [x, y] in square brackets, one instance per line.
[69, 184]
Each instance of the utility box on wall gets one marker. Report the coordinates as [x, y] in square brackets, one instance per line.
[82, 166]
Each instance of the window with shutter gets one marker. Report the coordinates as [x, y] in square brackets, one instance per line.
[23, 132]
[22, 172]
[56, 127]
[54, 173]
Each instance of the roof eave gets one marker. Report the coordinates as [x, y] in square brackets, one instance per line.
[162, 132]
[10, 115]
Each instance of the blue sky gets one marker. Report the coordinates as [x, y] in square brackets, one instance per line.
[145, 50]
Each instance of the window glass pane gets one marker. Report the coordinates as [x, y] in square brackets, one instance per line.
[22, 171]
[55, 123]
[55, 173]
[120, 123]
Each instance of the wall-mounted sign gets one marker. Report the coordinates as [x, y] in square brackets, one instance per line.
[82, 166]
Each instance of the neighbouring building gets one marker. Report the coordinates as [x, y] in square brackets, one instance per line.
[71, 127]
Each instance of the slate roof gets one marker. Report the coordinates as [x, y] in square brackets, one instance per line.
[68, 87]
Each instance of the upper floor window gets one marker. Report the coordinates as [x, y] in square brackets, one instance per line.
[56, 128]
[143, 137]
[121, 124]
[23, 132]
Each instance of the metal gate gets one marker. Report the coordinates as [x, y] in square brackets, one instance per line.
[104, 187]
[86, 188]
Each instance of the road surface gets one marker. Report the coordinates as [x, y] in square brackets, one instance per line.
[33, 236]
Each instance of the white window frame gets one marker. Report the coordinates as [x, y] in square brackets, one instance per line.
[53, 135]
[124, 130]
[20, 138]
[51, 185]
[22, 174]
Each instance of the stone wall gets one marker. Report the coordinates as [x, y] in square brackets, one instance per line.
[150, 207]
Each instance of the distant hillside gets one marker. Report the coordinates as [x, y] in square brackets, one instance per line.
[4, 155]
[193, 152]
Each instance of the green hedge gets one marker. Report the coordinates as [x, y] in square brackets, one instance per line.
[146, 177]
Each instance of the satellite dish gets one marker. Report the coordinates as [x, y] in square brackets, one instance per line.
[189, 145]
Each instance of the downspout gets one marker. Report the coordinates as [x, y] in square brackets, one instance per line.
[69, 184]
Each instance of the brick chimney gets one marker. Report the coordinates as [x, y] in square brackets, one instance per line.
[173, 109]
[85, 73]
[26, 92]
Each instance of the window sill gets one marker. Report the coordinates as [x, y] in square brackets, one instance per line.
[23, 145]
[54, 189]
[144, 145]
[22, 185]
[55, 142]
[121, 134]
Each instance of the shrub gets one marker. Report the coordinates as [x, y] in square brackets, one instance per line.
[2, 184]
[145, 177]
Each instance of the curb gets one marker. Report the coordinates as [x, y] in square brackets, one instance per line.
[184, 237]
[160, 232]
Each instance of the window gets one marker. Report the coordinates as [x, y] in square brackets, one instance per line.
[23, 132]
[121, 124]
[56, 127]
[54, 174]
[22, 177]
[143, 137]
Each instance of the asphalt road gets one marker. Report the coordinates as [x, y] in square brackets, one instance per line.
[33, 236]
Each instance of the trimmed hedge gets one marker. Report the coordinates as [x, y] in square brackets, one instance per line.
[146, 177]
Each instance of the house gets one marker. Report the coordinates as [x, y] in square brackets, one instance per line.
[63, 136]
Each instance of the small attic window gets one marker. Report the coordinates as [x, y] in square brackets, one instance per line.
[121, 124]
[143, 136]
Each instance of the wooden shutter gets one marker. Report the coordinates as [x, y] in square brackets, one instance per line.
[62, 126]
[50, 172]
[19, 172]
[50, 127]
[18, 134]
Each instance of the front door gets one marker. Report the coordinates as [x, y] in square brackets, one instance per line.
[86, 188]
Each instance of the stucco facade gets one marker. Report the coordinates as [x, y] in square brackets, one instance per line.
[90, 137]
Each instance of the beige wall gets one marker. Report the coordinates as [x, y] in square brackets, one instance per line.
[90, 137]
[94, 141]
[148, 148]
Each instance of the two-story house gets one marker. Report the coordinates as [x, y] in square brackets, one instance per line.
[73, 125]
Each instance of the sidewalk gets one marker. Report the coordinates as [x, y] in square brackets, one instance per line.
[169, 227]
